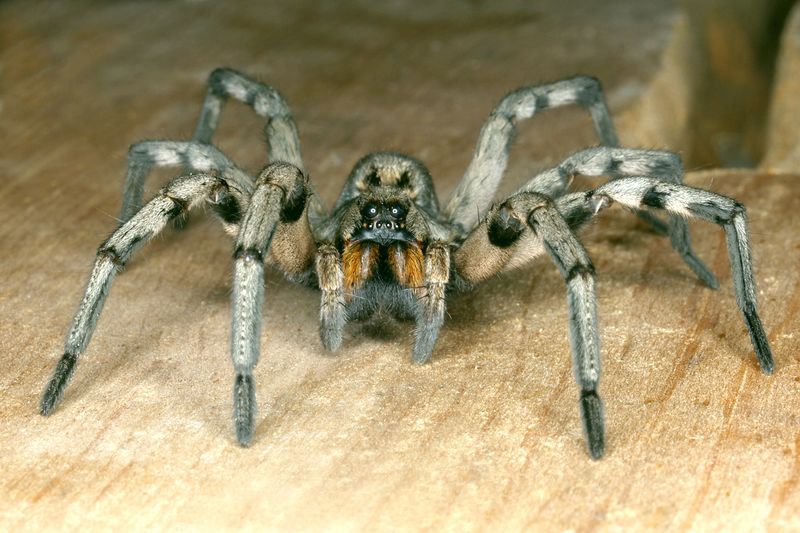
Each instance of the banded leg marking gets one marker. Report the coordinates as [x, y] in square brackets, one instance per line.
[177, 197]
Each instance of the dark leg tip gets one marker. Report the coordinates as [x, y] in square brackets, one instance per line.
[244, 407]
[48, 404]
[762, 349]
[423, 348]
[331, 338]
[765, 360]
[55, 387]
[701, 270]
[244, 436]
[760, 343]
[707, 277]
[592, 415]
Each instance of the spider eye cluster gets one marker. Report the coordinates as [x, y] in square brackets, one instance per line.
[383, 222]
[371, 211]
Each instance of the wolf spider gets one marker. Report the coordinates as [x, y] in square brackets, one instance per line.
[387, 247]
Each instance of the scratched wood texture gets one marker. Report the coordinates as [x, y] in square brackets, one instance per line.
[487, 437]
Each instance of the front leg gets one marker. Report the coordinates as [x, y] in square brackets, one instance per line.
[332, 315]
[531, 222]
[278, 206]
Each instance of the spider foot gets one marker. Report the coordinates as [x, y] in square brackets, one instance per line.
[592, 415]
[55, 388]
[431, 304]
[244, 408]
[701, 270]
[428, 324]
[760, 343]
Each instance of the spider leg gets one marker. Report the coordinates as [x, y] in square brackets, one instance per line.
[281, 132]
[332, 315]
[661, 165]
[178, 196]
[431, 301]
[530, 220]
[686, 201]
[193, 156]
[278, 205]
[472, 197]
[199, 154]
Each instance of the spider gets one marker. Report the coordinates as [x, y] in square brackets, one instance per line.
[387, 248]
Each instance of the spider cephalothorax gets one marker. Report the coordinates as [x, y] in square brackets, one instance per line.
[382, 234]
[387, 249]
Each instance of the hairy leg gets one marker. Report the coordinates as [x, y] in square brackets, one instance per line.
[281, 132]
[531, 220]
[658, 164]
[472, 197]
[192, 156]
[686, 201]
[177, 197]
[199, 154]
[332, 312]
[279, 199]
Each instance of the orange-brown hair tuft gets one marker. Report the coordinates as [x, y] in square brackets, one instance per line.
[358, 263]
[407, 264]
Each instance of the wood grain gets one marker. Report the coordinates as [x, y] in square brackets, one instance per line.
[487, 436]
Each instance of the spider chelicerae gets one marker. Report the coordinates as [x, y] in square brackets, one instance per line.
[387, 248]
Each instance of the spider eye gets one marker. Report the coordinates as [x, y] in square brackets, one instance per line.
[397, 211]
[370, 211]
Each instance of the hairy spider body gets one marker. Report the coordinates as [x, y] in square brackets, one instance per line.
[387, 248]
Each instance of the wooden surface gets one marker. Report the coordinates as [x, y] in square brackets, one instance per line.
[487, 436]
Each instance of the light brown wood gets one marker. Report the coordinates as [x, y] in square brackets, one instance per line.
[487, 436]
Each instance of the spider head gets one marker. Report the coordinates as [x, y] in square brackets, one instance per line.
[382, 237]
[383, 222]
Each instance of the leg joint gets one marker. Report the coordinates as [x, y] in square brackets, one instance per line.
[248, 254]
[138, 153]
[179, 206]
[580, 269]
[216, 81]
[294, 202]
[504, 228]
[655, 198]
[228, 209]
[109, 253]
